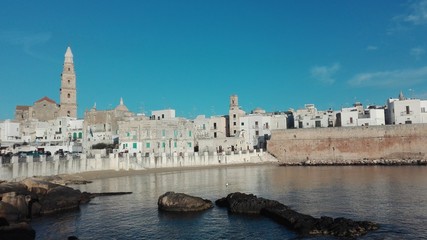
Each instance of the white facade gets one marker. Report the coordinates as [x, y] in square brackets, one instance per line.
[163, 114]
[351, 117]
[309, 117]
[406, 111]
[9, 132]
[213, 127]
[156, 137]
[256, 128]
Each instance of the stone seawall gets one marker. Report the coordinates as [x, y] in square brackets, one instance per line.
[18, 169]
[348, 145]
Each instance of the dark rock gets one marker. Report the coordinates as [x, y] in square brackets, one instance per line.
[245, 203]
[303, 224]
[53, 197]
[9, 212]
[21, 231]
[180, 202]
[19, 188]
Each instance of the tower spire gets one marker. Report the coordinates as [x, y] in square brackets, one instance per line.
[68, 56]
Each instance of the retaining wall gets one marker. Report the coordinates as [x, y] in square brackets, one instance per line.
[16, 170]
[349, 144]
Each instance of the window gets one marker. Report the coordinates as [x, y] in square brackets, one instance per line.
[163, 132]
[257, 133]
[214, 125]
[423, 109]
[318, 124]
[351, 120]
[256, 123]
[204, 127]
[175, 144]
[80, 135]
[235, 131]
[74, 136]
[163, 144]
[69, 81]
[408, 110]
[147, 145]
[163, 116]
[189, 144]
[134, 145]
[243, 124]
[234, 123]
[266, 125]
[69, 69]
[68, 95]
[124, 145]
[234, 115]
[214, 134]
[189, 133]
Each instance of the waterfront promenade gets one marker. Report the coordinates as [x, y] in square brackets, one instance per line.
[21, 168]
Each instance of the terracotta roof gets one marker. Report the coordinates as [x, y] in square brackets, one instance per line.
[46, 99]
[22, 107]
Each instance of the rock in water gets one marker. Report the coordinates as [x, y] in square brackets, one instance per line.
[21, 231]
[53, 197]
[301, 223]
[180, 202]
[245, 203]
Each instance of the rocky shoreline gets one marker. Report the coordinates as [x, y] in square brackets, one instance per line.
[241, 203]
[35, 197]
[363, 162]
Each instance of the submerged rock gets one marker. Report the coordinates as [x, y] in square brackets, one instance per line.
[301, 223]
[180, 202]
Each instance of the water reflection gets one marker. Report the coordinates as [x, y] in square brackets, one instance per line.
[392, 196]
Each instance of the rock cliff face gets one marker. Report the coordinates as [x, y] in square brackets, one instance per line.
[180, 202]
[303, 224]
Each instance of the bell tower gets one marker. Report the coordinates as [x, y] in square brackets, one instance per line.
[68, 91]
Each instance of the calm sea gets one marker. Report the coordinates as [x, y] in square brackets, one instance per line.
[395, 197]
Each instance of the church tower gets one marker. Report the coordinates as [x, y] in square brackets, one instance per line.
[234, 116]
[68, 91]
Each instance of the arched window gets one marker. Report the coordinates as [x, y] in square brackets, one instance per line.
[68, 95]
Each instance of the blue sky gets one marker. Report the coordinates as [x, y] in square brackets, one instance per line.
[192, 55]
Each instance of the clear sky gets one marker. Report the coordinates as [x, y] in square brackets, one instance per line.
[191, 55]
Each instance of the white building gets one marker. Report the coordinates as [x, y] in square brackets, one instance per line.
[213, 127]
[9, 134]
[406, 111]
[256, 127]
[156, 137]
[357, 116]
[163, 114]
[310, 117]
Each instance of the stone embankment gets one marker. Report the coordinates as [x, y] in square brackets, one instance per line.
[369, 145]
[17, 169]
[303, 224]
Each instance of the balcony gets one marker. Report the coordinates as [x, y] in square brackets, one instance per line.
[406, 113]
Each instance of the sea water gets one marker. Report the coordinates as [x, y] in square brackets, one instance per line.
[394, 197]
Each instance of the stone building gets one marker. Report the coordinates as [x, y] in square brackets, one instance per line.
[46, 109]
[101, 126]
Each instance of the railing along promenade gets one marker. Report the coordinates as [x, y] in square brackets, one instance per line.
[18, 168]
